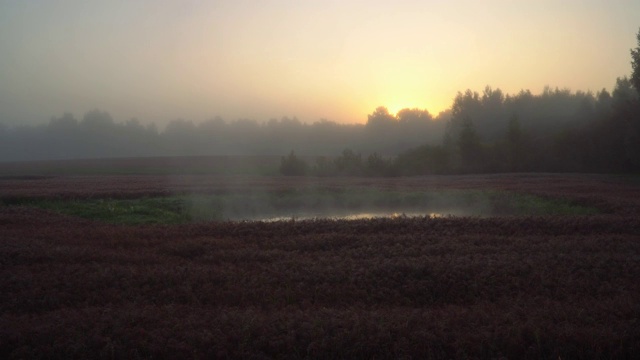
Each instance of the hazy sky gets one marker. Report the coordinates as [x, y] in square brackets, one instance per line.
[159, 60]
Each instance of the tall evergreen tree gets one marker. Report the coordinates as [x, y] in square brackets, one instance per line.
[469, 146]
[635, 65]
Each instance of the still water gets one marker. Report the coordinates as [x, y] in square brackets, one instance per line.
[355, 216]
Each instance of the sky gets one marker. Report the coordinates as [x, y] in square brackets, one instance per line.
[160, 60]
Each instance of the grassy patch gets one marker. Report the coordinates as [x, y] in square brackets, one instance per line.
[161, 210]
[306, 203]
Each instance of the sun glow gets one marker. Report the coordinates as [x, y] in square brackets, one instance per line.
[434, 104]
[395, 107]
[285, 61]
[397, 103]
[410, 91]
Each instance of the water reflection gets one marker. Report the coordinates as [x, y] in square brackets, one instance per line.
[355, 216]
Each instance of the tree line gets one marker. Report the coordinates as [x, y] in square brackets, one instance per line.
[98, 135]
[556, 130]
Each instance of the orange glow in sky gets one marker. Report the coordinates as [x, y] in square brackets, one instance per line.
[159, 60]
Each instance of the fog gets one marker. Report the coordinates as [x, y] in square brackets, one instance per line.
[98, 135]
[317, 202]
[556, 130]
[381, 89]
[162, 60]
[487, 131]
[311, 199]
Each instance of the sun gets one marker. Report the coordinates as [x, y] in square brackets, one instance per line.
[394, 105]
[397, 97]
[414, 101]
[394, 108]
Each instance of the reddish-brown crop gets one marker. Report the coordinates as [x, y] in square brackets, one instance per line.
[514, 287]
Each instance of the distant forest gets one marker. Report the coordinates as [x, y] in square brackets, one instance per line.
[97, 135]
[555, 131]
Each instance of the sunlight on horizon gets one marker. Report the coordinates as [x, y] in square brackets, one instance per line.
[338, 60]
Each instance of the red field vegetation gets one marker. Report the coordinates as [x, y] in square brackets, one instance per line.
[515, 287]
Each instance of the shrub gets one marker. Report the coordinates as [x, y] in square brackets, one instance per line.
[293, 166]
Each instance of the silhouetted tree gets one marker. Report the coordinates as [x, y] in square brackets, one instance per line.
[469, 147]
[5, 144]
[180, 138]
[63, 137]
[98, 121]
[349, 163]
[603, 104]
[492, 115]
[423, 160]
[65, 123]
[380, 118]
[623, 94]
[417, 126]
[635, 65]
[626, 100]
[626, 119]
[292, 165]
[98, 134]
[516, 147]
[376, 165]
[324, 167]
[381, 130]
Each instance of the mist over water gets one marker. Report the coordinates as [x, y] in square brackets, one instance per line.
[358, 216]
[354, 204]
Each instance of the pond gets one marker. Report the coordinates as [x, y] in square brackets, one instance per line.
[347, 204]
[355, 216]
[367, 203]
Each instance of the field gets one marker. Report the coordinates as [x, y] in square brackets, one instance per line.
[558, 279]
